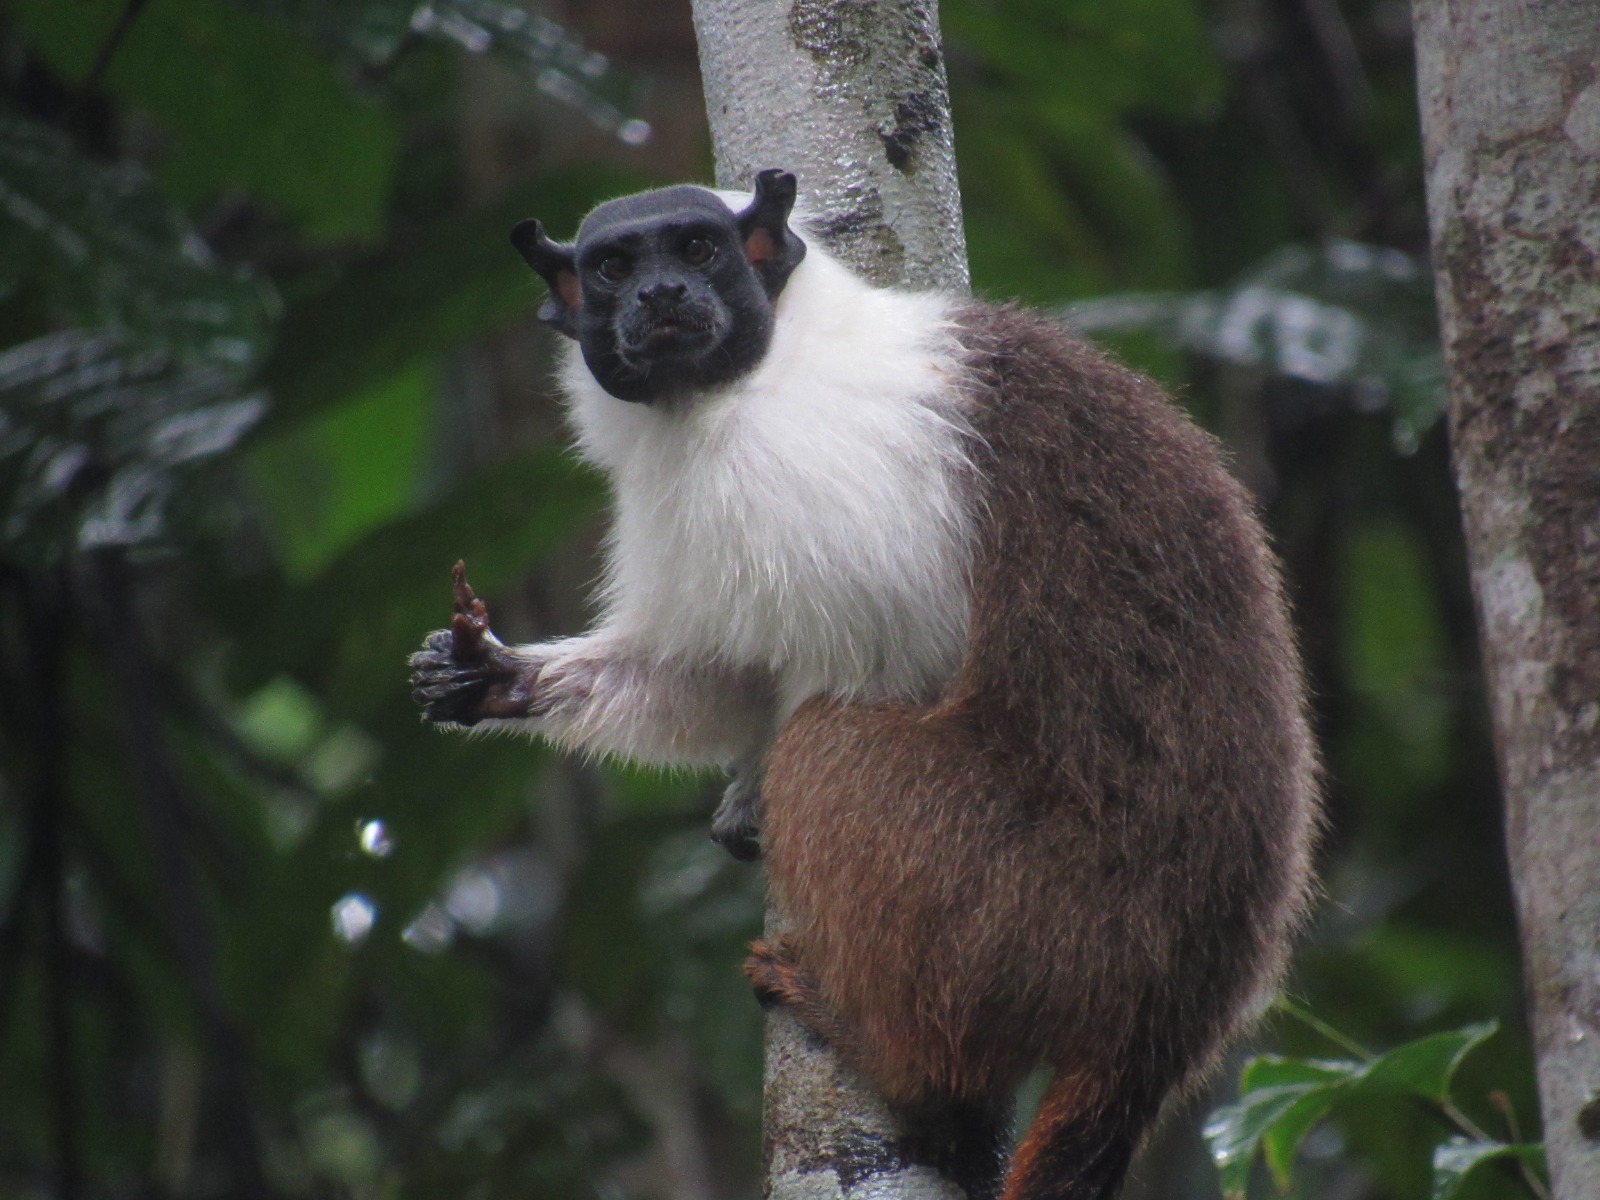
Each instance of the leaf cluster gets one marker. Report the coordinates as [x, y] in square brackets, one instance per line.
[1282, 1099]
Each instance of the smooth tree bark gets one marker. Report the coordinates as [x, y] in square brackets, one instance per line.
[1510, 97]
[850, 96]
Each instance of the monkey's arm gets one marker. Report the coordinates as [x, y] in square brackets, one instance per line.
[602, 693]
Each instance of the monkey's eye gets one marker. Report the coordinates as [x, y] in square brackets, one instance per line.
[614, 268]
[698, 251]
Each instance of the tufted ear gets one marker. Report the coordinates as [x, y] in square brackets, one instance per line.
[558, 268]
[774, 250]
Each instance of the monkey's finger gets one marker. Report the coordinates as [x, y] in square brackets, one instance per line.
[435, 648]
[433, 681]
[448, 706]
[467, 632]
[428, 667]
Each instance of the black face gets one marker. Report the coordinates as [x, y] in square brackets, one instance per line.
[668, 292]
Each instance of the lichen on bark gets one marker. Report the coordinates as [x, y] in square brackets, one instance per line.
[1510, 97]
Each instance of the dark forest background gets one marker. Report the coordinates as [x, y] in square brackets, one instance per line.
[268, 367]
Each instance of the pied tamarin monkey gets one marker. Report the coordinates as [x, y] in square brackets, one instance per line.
[988, 635]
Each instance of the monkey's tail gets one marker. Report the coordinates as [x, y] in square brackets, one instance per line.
[1074, 1151]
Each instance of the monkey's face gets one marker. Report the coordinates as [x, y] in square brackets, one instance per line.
[670, 304]
[669, 292]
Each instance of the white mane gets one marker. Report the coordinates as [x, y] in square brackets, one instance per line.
[808, 518]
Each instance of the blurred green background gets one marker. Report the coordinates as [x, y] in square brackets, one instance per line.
[268, 367]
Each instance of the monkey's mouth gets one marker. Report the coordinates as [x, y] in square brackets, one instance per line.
[669, 337]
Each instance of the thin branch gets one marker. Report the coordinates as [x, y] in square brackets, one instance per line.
[109, 48]
[1307, 1018]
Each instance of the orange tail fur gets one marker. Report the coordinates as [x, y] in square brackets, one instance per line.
[1075, 1150]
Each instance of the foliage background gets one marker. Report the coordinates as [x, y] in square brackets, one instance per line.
[267, 368]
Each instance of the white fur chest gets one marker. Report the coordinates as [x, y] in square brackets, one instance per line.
[810, 518]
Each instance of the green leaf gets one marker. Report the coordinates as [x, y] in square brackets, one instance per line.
[115, 257]
[1273, 1070]
[1150, 55]
[1271, 1119]
[1458, 1158]
[250, 103]
[1395, 649]
[373, 29]
[1396, 644]
[1425, 1067]
[358, 619]
[555, 58]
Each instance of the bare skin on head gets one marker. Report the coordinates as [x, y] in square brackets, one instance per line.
[990, 637]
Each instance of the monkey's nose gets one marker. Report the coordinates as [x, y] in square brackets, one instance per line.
[662, 296]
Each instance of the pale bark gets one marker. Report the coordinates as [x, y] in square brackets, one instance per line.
[850, 95]
[1510, 97]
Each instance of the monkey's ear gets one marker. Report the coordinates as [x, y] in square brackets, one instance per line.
[774, 250]
[558, 267]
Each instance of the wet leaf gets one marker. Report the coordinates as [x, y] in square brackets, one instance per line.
[561, 66]
[1426, 1066]
[96, 443]
[1277, 1116]
[1282, 1099]
[1458, 1158]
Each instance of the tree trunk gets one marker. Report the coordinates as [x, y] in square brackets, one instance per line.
[1510, 96]
[850, 95]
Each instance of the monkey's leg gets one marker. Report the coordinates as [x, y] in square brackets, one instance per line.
[965, 1140]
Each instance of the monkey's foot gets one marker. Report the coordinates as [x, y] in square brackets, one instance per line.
[736, 825]
[774, 975]
[777, 977]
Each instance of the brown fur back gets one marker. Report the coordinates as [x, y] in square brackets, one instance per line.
[1091, 851]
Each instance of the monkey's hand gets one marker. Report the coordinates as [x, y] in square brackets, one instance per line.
[464, 674]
